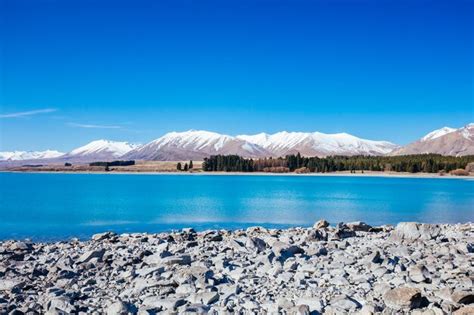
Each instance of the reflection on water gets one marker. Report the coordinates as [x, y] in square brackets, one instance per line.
[49, 206]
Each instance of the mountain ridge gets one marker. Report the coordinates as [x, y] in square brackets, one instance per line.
[198, 144]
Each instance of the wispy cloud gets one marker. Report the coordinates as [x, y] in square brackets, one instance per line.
[28, 113]
[94, 126]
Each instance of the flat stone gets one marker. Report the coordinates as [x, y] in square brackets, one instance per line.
[345, 303]
[177, 260]
[10, 284]
[91, 254]
[205, 298]
[163, 303]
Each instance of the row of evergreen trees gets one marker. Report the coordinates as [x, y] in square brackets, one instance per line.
[227, 163]
[428, 163]
[186, 167]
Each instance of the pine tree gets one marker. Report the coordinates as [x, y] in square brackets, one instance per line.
[185, 167]
[190, 164]
[178, 166]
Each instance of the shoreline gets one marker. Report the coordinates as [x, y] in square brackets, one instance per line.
[334, 174]
[345, 269]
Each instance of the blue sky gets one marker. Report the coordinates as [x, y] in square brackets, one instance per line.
[74, 71]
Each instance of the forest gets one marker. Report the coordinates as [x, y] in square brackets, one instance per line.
[427, 163]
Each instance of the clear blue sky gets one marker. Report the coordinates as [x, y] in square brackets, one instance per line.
[74, 71]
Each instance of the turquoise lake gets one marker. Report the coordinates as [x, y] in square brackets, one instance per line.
[61, 206]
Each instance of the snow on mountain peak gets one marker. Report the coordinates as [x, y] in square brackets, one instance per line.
[317, 143]
[438, 133]
[29, 155]
[115, 148]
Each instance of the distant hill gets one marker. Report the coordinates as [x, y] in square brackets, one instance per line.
[100, 150]
[445, 141]
[29, 155]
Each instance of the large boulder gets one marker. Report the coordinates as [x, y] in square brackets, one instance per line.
[283, 250]
[321, 224]
[403, 298]
[359, 226]
[412, 231]
[466, 310]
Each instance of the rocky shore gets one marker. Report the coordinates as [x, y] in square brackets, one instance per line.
[345, 269]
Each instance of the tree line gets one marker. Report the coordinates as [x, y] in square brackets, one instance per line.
[427, 163]
[186, 166]
[113, 163]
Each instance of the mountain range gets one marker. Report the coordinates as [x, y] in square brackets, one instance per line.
[198, 144]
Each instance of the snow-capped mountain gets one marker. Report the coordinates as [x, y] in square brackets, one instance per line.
[445, 141]
[29, 155]
[318, 144]
[194, 144]
[100, 150]
[437, 133]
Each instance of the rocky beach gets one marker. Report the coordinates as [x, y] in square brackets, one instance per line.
[350, 268]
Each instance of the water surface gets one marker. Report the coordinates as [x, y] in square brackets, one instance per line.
[59, 206]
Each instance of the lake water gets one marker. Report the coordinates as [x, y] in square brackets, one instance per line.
[58, 206]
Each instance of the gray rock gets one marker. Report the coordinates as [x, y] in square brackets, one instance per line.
[413, 231]
[197, 309]
[163, 303]
[91, 254]
[359, 226]
[119, 308]
[345, 303]
[418, 273]
[10, 284]
[103, 236]
[285, 250]
[177, 260]
[205, 298]
[321, 224]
